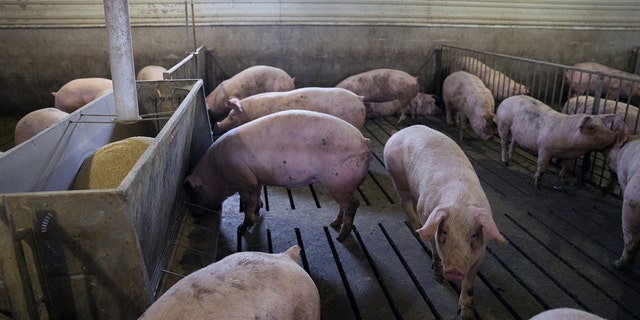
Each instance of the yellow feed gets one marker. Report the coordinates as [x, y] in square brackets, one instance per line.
[108, 166]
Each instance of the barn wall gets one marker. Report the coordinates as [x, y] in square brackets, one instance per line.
[47, 45]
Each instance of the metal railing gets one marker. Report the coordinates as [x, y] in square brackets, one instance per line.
[557, 85]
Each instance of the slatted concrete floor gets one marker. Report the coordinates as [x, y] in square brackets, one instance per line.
[562, 244]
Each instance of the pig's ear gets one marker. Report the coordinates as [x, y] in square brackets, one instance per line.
[586, 119]
[621, 136]
[428, 230]
[194, 181]
[234, 103]
[611, 120]
[484, 218]
[293, 253]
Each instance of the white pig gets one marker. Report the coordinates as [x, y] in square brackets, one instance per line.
[566, 314]
[290, 148]
[244, 285]
[151, 72]
[421, 105]
[338, 102]
[584, 104]
[465, 94]
[623, 159]
[500, 84]
[36, 121]
[580, 82]
[537, 127]
[78, 92]
[381, 85]
[444, 202]
[250, 81]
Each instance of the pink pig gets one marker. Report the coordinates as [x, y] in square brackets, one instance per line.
[623, 159]
[580, 82]
[466, 95]
[244, 285]
[497, 82]
[421, 105]
[77, 93]
[36, 121]
[537, 127]
[381, 85]
[151, 72]
[338, 102]
[444, 202]
[250, 81]
[584, 104]
[290, 148]
[566, 314]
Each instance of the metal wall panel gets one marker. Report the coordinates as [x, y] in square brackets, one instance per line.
[571, 14]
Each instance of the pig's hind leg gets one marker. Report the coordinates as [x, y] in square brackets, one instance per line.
[504, 132]
[250, 200]
[348, 206]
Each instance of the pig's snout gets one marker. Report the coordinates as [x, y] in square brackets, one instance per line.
[454, 275]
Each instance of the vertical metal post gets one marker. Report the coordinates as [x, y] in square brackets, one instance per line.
[439, 71]
[116, 14]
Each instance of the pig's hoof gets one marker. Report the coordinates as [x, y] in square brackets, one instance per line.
[335, 224]
[244, 227]
[621, 265]
[342, 236]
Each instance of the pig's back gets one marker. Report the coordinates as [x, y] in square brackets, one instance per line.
[242, 285]
[338, 102]
[467, 82]
[430, 159]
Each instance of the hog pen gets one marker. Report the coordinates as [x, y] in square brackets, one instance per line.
[562, 242]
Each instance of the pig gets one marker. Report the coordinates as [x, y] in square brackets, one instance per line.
[78, 92]
[443, 200]
[466, 95]
[537, 127]
[382, 85]
[583, 80]
[500, 84]
[622, 159]
[584, 104]
[250, 81]
[36, 121]
[151, 72]
[566, 314]
[243, 285]
[291, 148]
[338, 102]
[421, 105]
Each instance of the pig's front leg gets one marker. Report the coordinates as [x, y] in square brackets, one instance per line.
[630, 230]
[438, 271]
[250, 199]
[462, 126]
[466, 292]
[449, 113]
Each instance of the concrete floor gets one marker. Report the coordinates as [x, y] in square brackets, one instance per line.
[562, 244]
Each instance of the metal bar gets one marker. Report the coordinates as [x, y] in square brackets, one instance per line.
[116, 14]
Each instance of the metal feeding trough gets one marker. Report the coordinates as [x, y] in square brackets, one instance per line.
[96, 253]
